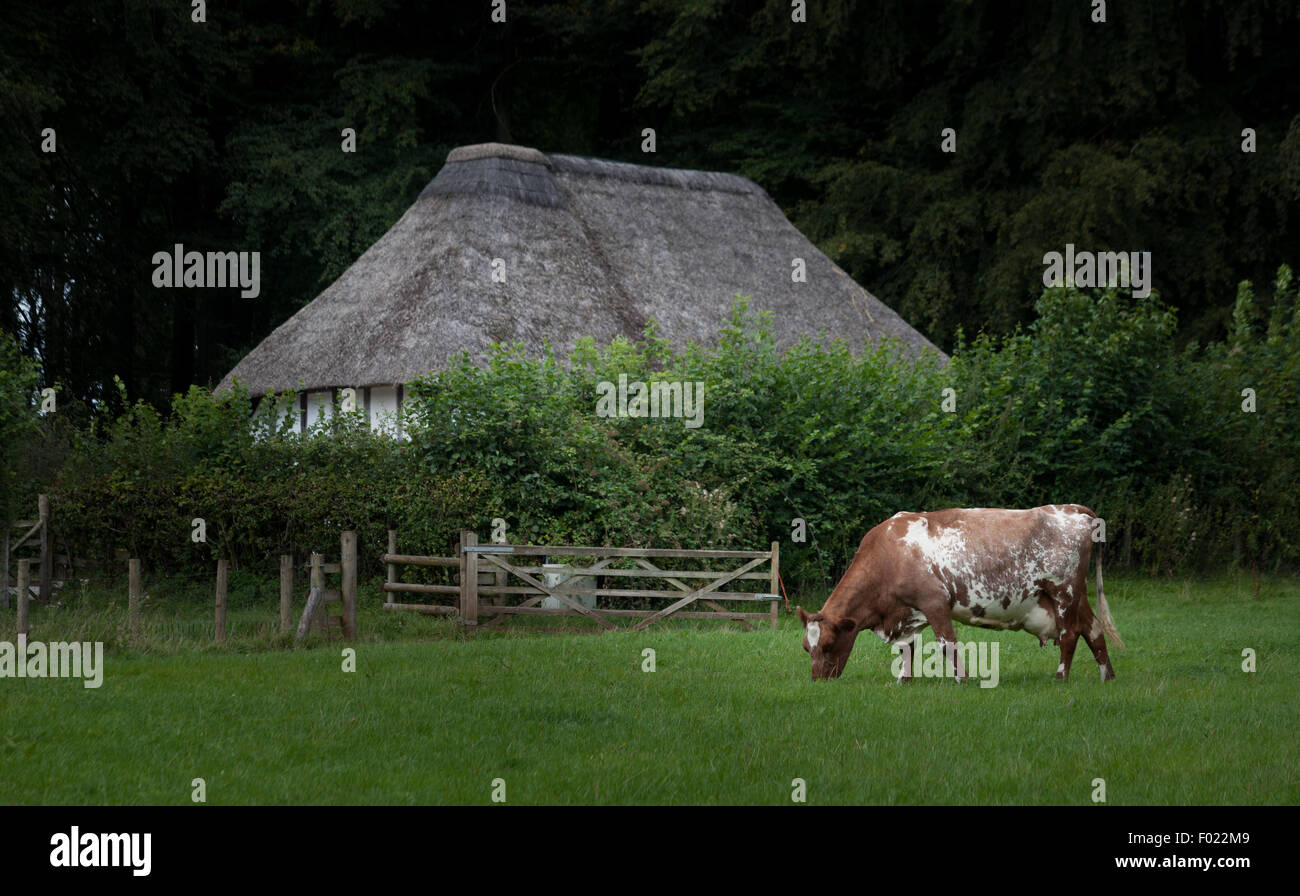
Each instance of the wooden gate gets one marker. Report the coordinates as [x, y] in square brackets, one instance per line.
[518, 587]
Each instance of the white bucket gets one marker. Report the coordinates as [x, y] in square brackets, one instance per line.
[557, 579]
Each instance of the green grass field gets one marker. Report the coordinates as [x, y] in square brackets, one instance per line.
[727, 717]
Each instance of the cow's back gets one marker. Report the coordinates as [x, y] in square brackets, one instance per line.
[995, 565]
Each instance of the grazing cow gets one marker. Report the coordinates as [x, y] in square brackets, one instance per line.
[1000, 569]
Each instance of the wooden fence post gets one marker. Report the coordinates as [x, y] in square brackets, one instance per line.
[315, 598]
[286, 592]
[314, 601]
[468, 578]
[222, 567]
[24, 578]
[774, 588]
[348, 586]
[390, 574]
[47, 550]
[463, 575]
[317, 586]
[133, 596]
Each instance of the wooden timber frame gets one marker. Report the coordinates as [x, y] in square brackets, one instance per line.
[485, 570]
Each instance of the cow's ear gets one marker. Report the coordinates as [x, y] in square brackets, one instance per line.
[804, 617]
[846, 626]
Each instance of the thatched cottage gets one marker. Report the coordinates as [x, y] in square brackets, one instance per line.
[509, 244]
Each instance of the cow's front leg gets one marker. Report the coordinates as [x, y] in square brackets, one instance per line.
[906, 651]
[941, 621]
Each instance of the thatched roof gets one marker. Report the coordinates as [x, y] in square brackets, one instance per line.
[591, 248]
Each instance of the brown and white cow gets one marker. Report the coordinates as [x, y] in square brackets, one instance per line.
[1000, 569]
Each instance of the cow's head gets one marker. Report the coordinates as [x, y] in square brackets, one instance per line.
[829, 639]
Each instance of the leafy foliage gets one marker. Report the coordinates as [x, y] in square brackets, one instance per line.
[1093, 404]
[19, 377]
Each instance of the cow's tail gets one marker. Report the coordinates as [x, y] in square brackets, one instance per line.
[1103, 611]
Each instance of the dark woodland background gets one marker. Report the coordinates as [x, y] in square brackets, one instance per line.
[226, 135]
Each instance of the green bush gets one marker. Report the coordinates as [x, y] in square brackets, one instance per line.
[1096, 405]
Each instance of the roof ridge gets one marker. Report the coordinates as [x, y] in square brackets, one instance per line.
[685, 178]
[484, 172]
[497, 151]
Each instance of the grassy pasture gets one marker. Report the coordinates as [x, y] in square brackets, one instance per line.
[433, 717]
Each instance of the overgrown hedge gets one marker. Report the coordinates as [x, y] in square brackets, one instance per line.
[1095, 404]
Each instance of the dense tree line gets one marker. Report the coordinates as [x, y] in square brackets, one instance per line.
[225, 135]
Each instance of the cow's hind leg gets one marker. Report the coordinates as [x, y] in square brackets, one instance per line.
[1093, 634]
[1069, 638]
[1067, 625]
